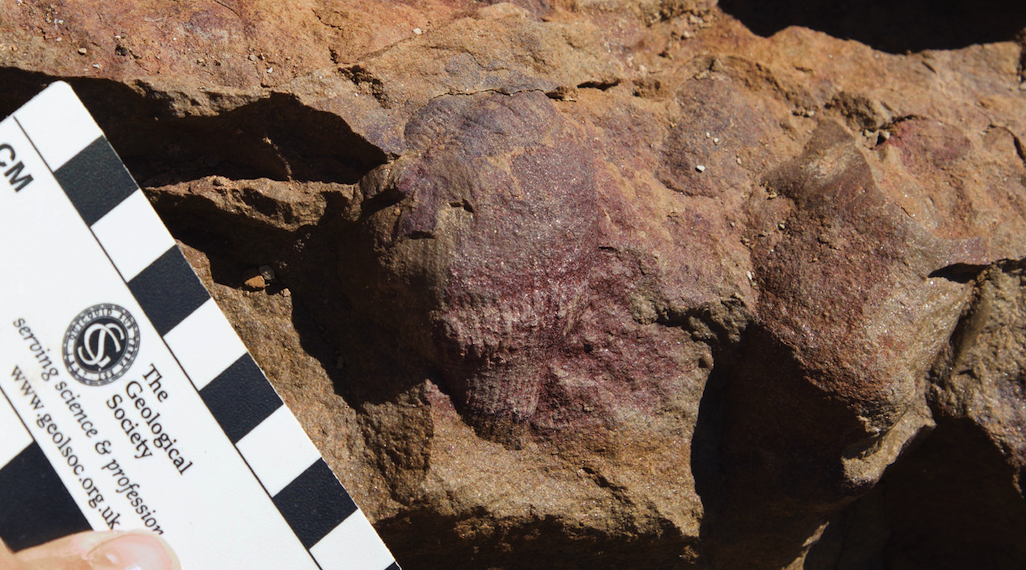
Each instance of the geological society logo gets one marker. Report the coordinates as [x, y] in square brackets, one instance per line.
[101, 344]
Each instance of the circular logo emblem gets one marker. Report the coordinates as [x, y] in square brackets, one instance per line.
[101, 344]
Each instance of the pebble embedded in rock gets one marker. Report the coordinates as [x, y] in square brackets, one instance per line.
[253, 280]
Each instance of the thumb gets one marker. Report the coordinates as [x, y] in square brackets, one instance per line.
[100, 551]
[7, 559]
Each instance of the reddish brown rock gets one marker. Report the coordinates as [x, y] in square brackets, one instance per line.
[600, 284]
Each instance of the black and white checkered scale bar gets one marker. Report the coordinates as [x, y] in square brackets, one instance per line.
[34, 504]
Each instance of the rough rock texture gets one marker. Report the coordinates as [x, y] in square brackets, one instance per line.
[603, 284]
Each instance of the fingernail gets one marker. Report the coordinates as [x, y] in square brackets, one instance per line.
[133, 551]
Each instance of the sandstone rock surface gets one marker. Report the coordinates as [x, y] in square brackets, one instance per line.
[602, 284]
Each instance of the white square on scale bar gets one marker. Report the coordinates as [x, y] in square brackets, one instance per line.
[58, 124]
[205, 344]
[13, 437]
[354, 544]
[132, 235]
[278, 450]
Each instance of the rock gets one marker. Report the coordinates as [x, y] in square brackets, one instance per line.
[977, 455]
[253, 280]
[603, 285]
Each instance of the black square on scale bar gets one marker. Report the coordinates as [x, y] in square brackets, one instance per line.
[95, 181]
[168, 290]
[240, 398]
[35, 507]
[314, 504]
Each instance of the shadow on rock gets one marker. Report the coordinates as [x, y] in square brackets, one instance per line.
[255, 135]
[894, 26]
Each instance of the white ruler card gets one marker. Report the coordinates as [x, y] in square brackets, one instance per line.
[128, 401]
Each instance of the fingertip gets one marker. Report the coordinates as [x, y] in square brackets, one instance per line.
[133, 551]
[7, 559]
[65, 552]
